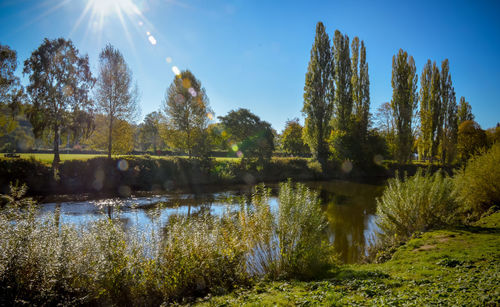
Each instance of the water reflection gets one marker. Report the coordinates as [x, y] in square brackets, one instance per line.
[349, 208]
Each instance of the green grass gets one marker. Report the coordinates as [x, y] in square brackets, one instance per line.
[48, 157]
[457, 267]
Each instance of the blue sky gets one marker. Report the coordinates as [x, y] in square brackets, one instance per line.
[254, 54]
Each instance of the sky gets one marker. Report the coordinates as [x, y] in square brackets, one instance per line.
[254, 54]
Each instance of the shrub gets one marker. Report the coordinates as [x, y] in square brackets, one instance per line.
[414, 204]
[45, 262]
[477, 186]
[289, 242]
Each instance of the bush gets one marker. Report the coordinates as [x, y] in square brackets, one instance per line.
[289, 243]
[414, 204]
[43, 262]
[477, 186]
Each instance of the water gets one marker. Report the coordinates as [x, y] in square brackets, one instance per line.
[349, 208]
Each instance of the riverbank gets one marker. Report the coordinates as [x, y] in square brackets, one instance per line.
[120, 176]
[455, 267]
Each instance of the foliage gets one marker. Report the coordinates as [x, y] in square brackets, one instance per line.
[289, 242]
[122, 136]
[477, 186]
[59, 83]
[414, 204]
[45, 261]
[464, 112]
[318, 95]
[11, 91]
[248, 135]
[188, 113]
[471, 138]
[150, 131]
[361, 97]
[445, 267]
[291, 139]
[116, 96]
[384, 119]
[404, 102]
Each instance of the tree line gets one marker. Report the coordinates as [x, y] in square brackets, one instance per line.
[338, 123]
[65, 103]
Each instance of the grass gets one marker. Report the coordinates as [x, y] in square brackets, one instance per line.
[456, 267]
[48, 157]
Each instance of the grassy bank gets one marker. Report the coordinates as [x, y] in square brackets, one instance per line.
[456, 267]
[123, 174]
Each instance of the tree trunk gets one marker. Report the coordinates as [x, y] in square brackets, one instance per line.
[110, 139]
[57, 159]
[189, 143]
[154, 143]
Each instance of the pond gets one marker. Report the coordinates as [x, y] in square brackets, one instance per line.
[349, 208]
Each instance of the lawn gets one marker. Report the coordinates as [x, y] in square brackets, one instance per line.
[457, 267]
[48, 157]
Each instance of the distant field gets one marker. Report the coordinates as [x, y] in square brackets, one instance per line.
[48, 157]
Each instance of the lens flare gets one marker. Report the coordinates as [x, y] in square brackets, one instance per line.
[152, 40]
[176, 71]
[192, 92]
[169, 60]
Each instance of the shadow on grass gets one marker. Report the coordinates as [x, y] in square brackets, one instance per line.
[479, 229]
[348, 274]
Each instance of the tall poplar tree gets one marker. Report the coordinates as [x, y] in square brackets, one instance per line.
[435, 109]
[360, 84]
[342, 137]
[464, 112]
[363, 108]
[404, 102]
[446, 112]
[343, 86]
[451, 131]
[425, 112]
[318, 95]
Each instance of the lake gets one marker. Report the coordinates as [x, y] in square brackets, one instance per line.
[348, 206]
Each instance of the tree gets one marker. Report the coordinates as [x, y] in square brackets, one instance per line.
[291, 138]
[188, 114]
[404, 102]
[318, 96]
[448, 119]
[360, 84]
[217, 136]
[384, 118]
[115, 94]
[122, 135]
[471, 138]
[425, 139]
[464, 112]
[342, 139]
[11, 91]
[150, 130]
[59, 82]
[248, 135]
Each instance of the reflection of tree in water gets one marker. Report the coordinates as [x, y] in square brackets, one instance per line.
[348, 209]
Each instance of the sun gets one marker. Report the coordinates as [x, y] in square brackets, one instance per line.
[103, 8]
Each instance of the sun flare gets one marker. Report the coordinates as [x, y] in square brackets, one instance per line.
[108, 7]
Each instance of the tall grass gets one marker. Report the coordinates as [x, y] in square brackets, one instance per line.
[288, 243]
[414, 204]
[45, 262]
